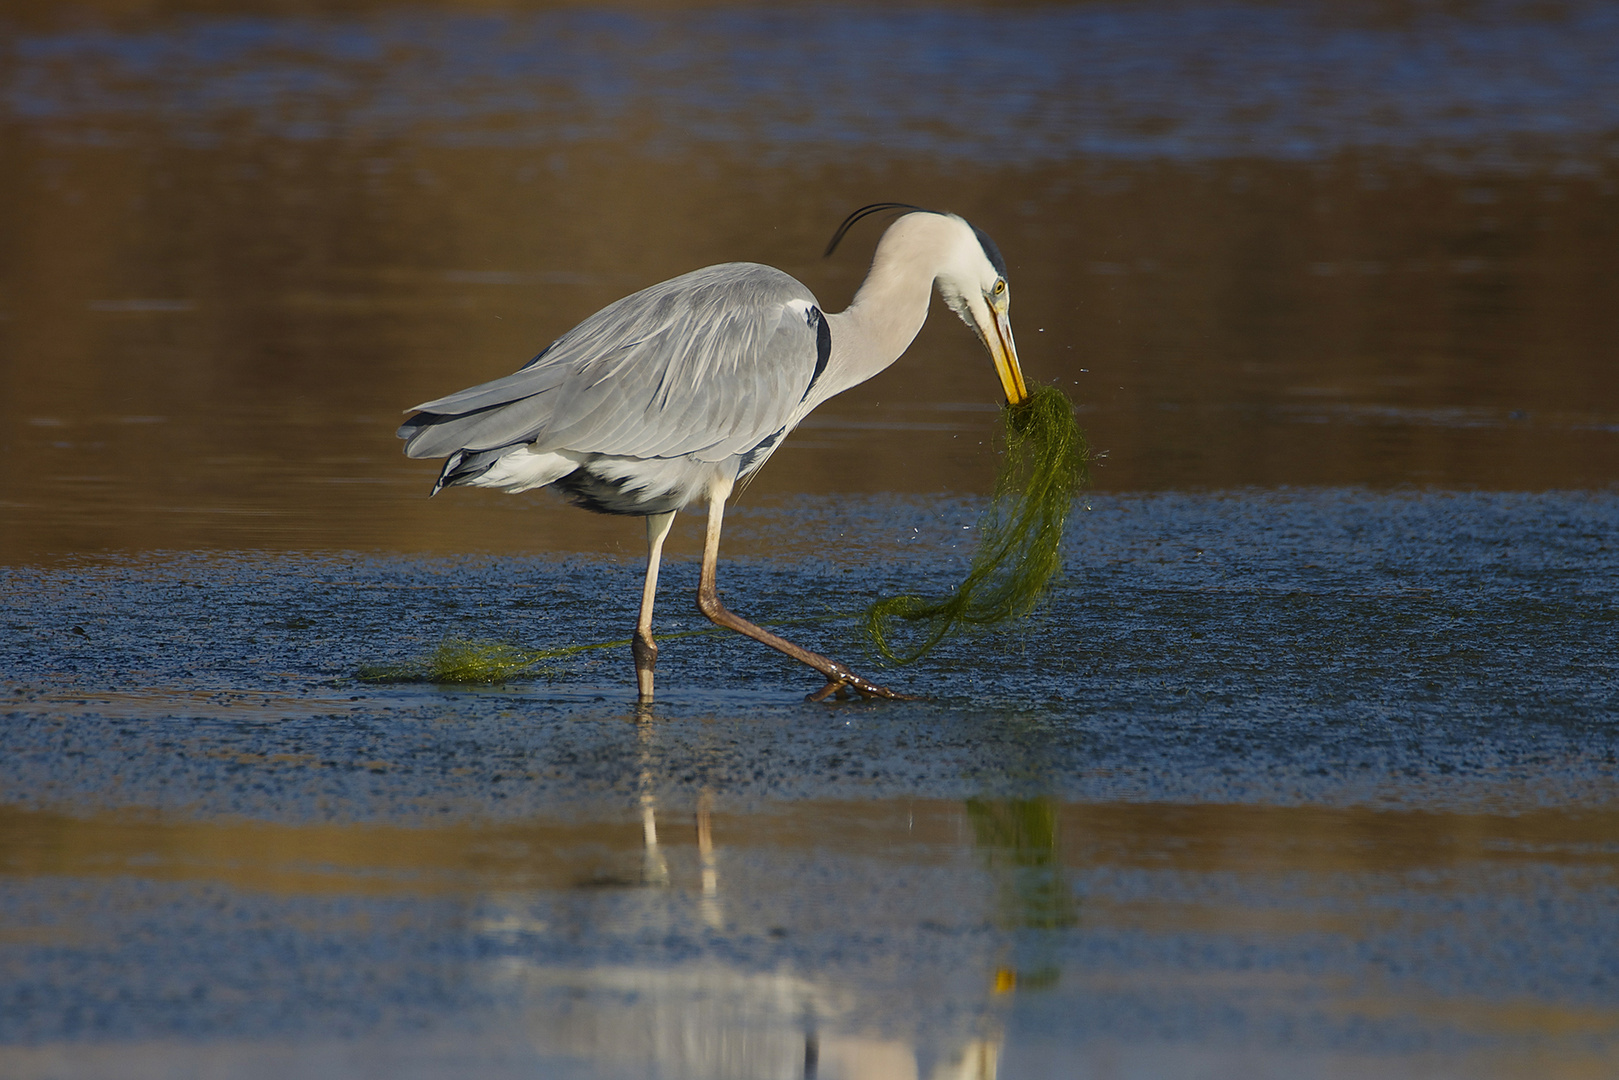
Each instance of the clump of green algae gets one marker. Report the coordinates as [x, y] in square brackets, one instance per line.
[1020, 532]
[460, 660]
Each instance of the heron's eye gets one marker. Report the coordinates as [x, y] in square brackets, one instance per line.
[1000, 286]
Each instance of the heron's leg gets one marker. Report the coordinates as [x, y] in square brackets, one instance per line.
[645, 649]
[838, 677]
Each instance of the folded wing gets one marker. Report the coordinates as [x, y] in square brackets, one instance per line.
[709, 364]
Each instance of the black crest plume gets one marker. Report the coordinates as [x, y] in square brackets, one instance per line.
[866, 211]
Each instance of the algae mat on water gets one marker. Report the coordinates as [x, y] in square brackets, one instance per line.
[461, 660]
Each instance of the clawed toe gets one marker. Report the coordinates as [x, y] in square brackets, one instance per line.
[825, 692]
[845, 688]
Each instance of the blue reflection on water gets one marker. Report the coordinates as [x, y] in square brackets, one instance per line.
[1125, 81]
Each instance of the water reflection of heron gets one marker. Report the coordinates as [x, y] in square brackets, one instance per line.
[654, 867]
[711, 1019]
[679, 392]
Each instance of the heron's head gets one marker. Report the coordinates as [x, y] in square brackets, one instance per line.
[973, 282]
[967, 268]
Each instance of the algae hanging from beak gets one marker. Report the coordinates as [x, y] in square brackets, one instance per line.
[1020, 532]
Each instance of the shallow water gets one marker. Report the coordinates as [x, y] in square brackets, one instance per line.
[1275, 785]
[1308, 767]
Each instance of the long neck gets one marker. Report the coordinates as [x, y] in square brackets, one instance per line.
[890, 308]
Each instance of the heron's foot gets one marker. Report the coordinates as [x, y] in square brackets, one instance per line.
[844, 684]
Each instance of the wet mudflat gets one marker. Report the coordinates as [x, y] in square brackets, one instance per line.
[1275, 785]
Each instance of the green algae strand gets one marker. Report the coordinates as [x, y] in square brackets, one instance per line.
[1020, 533]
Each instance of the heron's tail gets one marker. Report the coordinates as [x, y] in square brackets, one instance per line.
[466, 466]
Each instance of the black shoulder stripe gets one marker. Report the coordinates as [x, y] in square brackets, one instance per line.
[823, 347]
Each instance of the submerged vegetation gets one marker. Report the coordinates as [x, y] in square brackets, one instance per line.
[1020, 532]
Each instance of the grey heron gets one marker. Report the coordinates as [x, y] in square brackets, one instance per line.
[680, 391]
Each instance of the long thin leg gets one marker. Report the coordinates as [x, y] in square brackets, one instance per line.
[642, 645]
[838, 677]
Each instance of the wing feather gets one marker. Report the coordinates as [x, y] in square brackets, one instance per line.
[708, 364]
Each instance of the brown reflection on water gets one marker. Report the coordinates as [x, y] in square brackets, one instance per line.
[1386, 879]
[211, 347]
[565, 853]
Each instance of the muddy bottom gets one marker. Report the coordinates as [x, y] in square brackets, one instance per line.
[1278, 784]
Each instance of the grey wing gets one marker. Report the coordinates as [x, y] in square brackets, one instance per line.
[708, 364]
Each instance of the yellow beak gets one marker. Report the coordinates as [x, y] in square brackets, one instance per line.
[1004, 353]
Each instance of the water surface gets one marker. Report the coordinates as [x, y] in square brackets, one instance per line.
[1307, 768]
[1259, 244]
[1276, 783]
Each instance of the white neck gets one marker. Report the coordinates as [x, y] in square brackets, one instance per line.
[892, 304]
